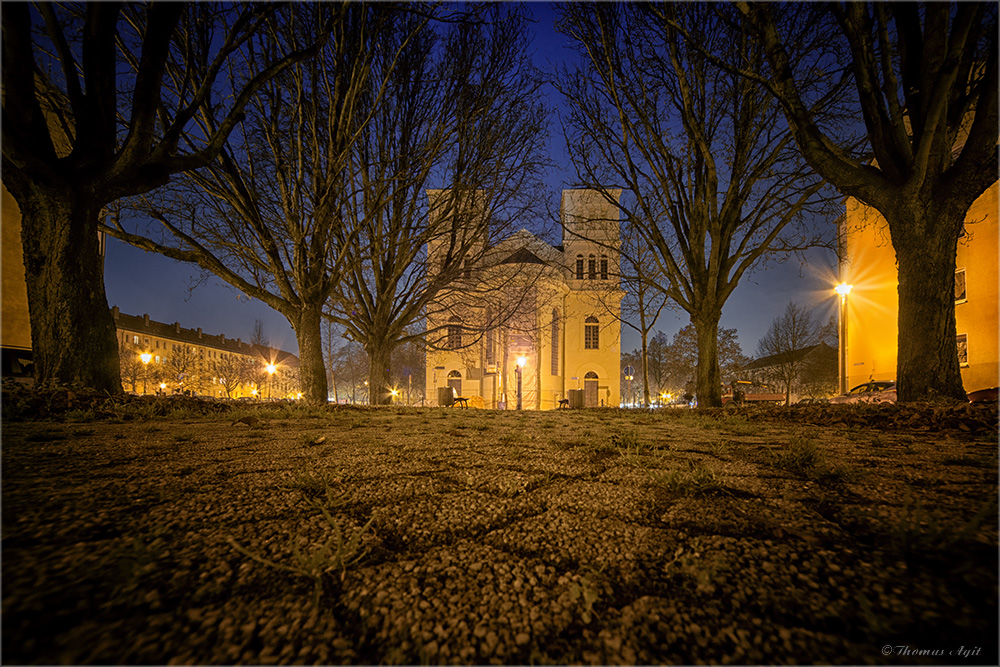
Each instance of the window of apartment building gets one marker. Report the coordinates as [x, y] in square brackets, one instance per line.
[963, 349]
[961, 295]
[592, 268]
[455, 333]
[555, 342]
[135, 340]
[579, 267]
[604, 267]
[157, 358]
[591, 333]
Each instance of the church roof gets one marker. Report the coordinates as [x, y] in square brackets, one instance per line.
[523, 256]
[523, 247]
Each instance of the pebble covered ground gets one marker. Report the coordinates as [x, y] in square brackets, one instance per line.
[473, 537]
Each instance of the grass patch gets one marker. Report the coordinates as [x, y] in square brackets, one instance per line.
[323, 562]
[805, 459]
[920, 532]
[696, 480]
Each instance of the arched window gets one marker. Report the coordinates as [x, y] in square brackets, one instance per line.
[579, 267]
[591, 333]
[455, 333]
[455, 382]
[555, 341]
[592, 268]
[604, 267]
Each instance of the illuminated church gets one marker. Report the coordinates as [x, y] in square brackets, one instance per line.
[546, 333]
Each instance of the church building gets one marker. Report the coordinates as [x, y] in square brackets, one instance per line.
[541, 329]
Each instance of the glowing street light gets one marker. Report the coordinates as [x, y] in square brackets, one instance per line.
[521, 361]
[163, 387]
[843, 289]
[271, 370]
[394, 393]
[145, 356]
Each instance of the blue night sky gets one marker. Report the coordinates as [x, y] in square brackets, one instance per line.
[139, 282]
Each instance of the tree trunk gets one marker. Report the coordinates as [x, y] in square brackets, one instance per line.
[645, 370]
[379, 359]
[312, 370]
[926, 243]
[73, 335]
[709, 377]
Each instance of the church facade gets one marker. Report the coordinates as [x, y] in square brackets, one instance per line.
[543, 329]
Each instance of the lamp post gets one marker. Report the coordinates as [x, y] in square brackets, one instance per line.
[843, 289]
[145, 356]
[271, 370]
[521, 361]
[163, 388]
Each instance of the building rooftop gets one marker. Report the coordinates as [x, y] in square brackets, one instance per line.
[175, 332]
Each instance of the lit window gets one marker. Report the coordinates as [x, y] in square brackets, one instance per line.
[592, 268]
[455, 333]
[963, 349]
[135, 340]
[591, 333]
[555, 342]
[961, 295]
[579, 267]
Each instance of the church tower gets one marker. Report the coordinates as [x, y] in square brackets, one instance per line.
[591, 242]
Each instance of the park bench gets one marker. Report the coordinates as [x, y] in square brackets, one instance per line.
[461, 400]
[563, 403]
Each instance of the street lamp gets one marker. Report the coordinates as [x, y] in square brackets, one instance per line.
[521, 361]
[271, 370]
[145, 356]
[843, 289]
[163, 387]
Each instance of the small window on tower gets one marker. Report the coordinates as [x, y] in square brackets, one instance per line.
[604, 267]
[579, 267]
[592, 268]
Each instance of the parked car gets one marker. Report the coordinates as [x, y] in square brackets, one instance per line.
[983, 395]
[869, 392]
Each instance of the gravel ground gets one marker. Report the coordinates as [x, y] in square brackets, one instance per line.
[472, 537]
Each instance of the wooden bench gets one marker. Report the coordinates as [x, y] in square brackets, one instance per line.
[563, 403]
[463, 400]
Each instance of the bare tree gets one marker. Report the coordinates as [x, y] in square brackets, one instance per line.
[91, 113]
[643, 300]
[131, 364]
[185, 366]
[234, 371]
[925, 83]
[266, 215]
[460, 112]
[785, 342]
[712, 180]
[258, 337]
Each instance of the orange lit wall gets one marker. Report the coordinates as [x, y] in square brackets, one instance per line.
[869, 264]
[16, 332]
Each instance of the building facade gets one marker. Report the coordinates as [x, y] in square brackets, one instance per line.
[868, 265]
[160, 358]
[548, 323]
[16, 330]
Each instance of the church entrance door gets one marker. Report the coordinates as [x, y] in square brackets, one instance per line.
[590, 390]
